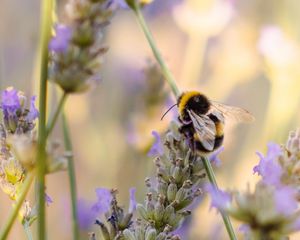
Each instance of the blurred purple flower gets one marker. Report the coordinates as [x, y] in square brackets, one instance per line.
[157, 147]
[214, 157]
[219, 199]
[33, 112]
[86, 216]
[60, 42]
[132, 202]
[10, 101]
[48, 199]
[104, 199]
[285, 200]
[269, 168]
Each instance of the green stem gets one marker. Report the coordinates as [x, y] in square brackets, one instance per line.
[45, 31]
[14, 212]
[167, 73]
[211, 176]
[72, 178]
[51, 123]
[171, 81]
[27, 231]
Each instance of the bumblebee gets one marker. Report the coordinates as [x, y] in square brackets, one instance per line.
[202, 121]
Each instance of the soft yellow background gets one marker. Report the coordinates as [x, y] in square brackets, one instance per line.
[210, 46]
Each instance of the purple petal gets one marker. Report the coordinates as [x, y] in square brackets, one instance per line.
[10, 101]
[269, 168]
[132, 203]
[104, 199]
[48, 199]
[157, 147]
[60, 42]
[33, 112]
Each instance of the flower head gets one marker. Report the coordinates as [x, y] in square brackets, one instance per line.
[17, 117]
[157, 147]
[60, 42]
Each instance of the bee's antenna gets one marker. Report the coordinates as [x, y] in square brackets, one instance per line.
[168, 111]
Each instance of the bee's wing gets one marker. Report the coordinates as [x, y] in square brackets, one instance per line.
[205, 128]
[235, 113]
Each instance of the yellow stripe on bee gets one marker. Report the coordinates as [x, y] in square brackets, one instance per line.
[185, 98]
[219, 129]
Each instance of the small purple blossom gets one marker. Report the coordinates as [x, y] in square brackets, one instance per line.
[269, 168]
[48, 199]
[157, 147]
[10, 101]
[285, 200]
[132, 202]
[60, 42]
[219, 199]
[85, 215]
[33, 112]
[104, 199]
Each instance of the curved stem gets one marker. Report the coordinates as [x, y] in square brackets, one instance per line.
[51, 123]
[14, 212]
[211, 176]
[167, 73]
[171, 81]
[72, 178]
[45, 30]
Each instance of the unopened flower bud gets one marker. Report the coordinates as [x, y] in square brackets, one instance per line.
[172, 191]
[159, 211]
[142, 211]
[169, 212]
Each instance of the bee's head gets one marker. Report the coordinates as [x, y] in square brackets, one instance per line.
[194, 101]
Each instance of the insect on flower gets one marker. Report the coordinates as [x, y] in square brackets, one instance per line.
[202, 120]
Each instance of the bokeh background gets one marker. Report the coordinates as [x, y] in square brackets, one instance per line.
[240, 52]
